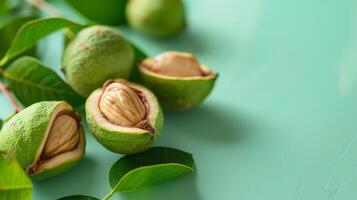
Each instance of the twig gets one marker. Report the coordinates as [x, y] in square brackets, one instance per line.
[44, 6]
[7, 94]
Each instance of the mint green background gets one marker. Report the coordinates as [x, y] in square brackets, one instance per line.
[281, 122]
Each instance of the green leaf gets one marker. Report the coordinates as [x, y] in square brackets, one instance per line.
[138, 171]
[4, 7]
[8, 28]
[33, 31]
[1, 123]
[14, 184]
[78, 197]
[32, 82]
[111, 12]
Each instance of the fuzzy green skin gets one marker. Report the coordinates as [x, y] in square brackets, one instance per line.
[158, 18]
[178, 94]
[23, 134]
[121, 142]
[97, 53]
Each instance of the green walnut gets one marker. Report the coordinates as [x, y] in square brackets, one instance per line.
[96, 54]
[46, 138]
[158, 18]
[124, 117]
[178, 79]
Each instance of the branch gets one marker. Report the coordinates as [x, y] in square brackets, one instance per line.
[7, 94]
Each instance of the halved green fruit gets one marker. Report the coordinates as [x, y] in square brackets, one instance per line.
[124, 117]
[46, 138]
[178, 79]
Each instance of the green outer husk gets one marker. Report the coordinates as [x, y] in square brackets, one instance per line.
[97, 53]
[55, 172]
[123, 142]
[24, 133]
[178, 94]
[121, 139]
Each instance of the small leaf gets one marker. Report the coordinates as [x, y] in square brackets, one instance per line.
[78, 197]
[135, 172]
[111, 12]
[1, 123]
[14, 184]
[32, 82]
[8, 28]
[33, 31]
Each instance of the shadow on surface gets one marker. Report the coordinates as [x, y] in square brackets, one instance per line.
[208, 122]
[84, 170]
[175, 189]
[188, 41]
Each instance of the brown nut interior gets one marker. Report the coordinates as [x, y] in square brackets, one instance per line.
[123, 105]
[63, 135]
[64, 142]
[175, 64]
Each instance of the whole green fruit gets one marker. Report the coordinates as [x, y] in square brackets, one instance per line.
[96, 54]
[124, 117]
[159, 18]
[46, 138]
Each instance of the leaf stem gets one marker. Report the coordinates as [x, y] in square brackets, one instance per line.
[7, 94]
[109, 195]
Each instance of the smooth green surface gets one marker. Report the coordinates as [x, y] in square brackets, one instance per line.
[281, 121]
